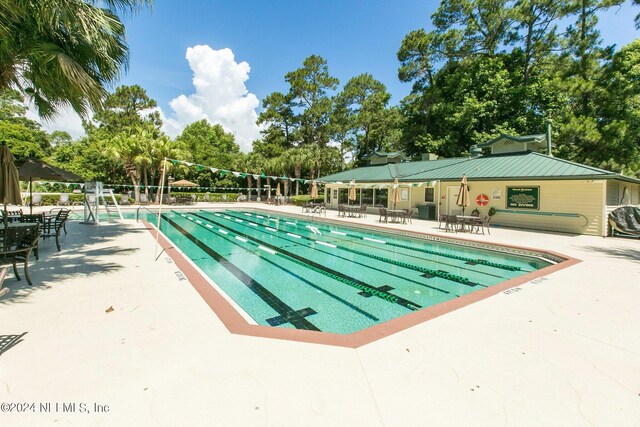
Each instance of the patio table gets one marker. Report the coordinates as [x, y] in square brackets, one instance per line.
[466, 220]
[396, 215]
[352, 210]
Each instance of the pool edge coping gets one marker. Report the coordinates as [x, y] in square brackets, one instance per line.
[237, 324]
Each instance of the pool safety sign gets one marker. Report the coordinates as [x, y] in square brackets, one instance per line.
[523, 197]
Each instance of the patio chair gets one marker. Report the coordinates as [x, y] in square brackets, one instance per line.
[54, 223]
[486, 221]
[408, 214]
[451, 223]
[124, 200]
[17, 245]
[341, 210]
[383, 215]
[475, 212]
[12, 216]
[194, 199]
[207, 197]
[63, 200]
[35, 219]
[143, 199]
[362, 212]
[442, 219]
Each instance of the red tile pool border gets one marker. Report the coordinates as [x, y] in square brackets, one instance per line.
[236, 324]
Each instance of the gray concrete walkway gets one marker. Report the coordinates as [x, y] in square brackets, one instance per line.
[112, 334]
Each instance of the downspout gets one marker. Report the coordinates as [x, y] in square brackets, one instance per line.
[549, 138]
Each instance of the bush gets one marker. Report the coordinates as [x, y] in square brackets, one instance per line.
[305, 198]
[213, 197]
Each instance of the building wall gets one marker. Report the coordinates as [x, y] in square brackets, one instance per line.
[581, 201]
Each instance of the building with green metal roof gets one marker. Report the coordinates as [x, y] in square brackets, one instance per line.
[526, 188]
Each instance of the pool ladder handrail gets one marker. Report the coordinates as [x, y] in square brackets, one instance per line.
[146, 208]
[317, 210]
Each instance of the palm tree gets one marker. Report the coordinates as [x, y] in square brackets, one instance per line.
[62, 52]
[298, 158]
[126, 147]
[164, 147]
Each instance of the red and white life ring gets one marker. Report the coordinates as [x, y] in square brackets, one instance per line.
[482, 200]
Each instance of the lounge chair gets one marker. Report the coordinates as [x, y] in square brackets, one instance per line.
[124, 200]
[143, 199]
[17, 246]
[207, 197]
[36, 199]
[63, 200]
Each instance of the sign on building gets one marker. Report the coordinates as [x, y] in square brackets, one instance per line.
[523, 197]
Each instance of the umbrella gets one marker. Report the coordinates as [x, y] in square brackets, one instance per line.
[352, 190]
[395, 195]
[463, 195]
[34, 168]
[9, 181]
[314, 190]
[183, 183]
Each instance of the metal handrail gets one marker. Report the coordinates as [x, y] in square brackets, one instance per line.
[144, 207]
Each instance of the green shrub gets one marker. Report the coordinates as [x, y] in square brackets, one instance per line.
[304, 198]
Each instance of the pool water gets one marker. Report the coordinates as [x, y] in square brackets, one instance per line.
[295, 273]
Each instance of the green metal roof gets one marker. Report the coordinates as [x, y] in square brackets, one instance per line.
[525, 165]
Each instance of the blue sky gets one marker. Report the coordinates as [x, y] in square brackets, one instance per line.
[273, 37]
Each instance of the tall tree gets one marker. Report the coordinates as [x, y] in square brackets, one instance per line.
[63, 52]
[309, 86]
[365, 99]
[128, 107]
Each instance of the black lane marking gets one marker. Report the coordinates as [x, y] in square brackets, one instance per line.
[279, 320]
[297, 242]
[291, 273]
[364, 286]
[269, 298]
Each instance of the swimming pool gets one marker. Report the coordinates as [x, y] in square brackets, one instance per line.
[291, 272]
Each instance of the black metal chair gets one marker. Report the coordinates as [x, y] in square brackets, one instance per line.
[383, 215]
[36, 219]
[53, 225]
[17, 244]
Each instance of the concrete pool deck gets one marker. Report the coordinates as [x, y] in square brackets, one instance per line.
[561, 350]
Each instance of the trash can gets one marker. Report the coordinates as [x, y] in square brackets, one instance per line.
[427, 211]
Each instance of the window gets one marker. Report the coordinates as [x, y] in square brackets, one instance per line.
[367, 196]
[429, 194]
[343, 196]
[381, 197]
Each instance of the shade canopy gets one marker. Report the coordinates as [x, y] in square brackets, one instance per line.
[9, 180]
[352, 190]
[463, 195]
[395, 194]
[314, 190]
[32, 168]
[183, 183]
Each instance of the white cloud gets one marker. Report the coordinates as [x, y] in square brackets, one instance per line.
[220, 96]
[66, 120]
